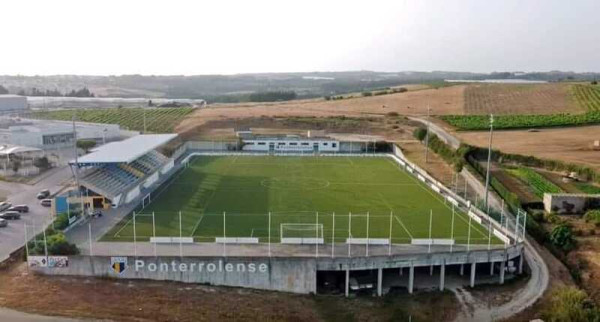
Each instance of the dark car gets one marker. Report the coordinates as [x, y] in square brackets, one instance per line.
[10, 215]
[43, 194]
[3, 222]
[46, 202]
[19, 208]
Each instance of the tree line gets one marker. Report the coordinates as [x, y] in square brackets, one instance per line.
[83, 92]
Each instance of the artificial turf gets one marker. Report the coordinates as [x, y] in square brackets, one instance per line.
[371, 191]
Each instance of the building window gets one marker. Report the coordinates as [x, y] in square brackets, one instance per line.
[325, 144]
[262, 143]
[333, 145]
[281, 143]
[293, 143]
[305, 143]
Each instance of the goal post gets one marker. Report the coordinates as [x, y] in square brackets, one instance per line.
[294, 233]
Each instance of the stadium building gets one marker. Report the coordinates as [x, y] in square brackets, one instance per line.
[290, 144]
[117, 173]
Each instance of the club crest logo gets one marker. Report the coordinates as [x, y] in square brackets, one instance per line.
[118, 264]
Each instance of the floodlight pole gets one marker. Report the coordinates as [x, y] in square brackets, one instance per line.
[90, 238]
[45, 243]
[487, 177]
[269, 234]
[76, 164]
[517, 227]
[224, 237]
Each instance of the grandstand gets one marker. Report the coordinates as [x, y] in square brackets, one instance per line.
[119, 172]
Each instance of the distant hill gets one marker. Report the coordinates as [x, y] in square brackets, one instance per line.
[233, 88]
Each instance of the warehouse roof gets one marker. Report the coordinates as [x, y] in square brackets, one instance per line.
[125, 151]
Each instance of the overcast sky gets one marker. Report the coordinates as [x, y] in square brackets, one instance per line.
[105, 37]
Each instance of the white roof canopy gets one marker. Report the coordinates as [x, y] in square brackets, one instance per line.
[125, 151]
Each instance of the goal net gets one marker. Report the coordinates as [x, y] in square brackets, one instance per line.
[301, 233]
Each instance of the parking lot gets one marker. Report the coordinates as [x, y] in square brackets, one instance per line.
[13, 236]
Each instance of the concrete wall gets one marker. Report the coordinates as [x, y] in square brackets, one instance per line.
[295, 275]
[564, 203]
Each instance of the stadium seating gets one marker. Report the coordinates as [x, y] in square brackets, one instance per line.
[113, 179]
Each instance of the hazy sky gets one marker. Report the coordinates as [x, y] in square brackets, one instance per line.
[103, 37]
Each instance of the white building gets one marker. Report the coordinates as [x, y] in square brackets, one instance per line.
[12, 102]
[291, 144]
[51, 134]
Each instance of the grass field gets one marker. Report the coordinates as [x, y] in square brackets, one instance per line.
[294, 189]
[158, 120]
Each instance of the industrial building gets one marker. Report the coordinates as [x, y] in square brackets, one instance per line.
[12, 102]
[53, 134]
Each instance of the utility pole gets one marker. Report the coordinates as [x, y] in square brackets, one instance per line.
[487, 177]
[144, 120]
[427, 136]
[77, 166]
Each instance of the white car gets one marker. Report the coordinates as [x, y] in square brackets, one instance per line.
[5, 205]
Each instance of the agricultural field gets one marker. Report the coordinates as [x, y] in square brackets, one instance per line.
[343, 195]
[587, 96]
[538, 183]
[158, 120]
[507, 99]
[501, 122]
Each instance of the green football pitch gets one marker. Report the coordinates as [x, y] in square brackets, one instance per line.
[327, 197]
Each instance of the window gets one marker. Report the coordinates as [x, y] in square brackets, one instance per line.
[262, 143]
[325, 144]
[333, 145]
[305, 143]
[281, 143]
[293, 143]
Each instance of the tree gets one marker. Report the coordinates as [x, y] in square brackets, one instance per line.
[420, 133]
[15, 164]
[562, 237]
[3, 90]
[571, 304]
[86, 145]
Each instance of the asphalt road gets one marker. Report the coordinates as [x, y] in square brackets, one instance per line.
[13, 236]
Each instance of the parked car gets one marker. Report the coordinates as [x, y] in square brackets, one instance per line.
[10, 215]
[46, 202]
[43, 194]
[19, 208]
[5, 205]
[3, 222]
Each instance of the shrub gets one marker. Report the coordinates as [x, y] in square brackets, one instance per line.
[562, 237]
[392, 114]
[420, 133]
[367, 94]
[571, 304]
[41, 163]
[86, 145]
[592, 216]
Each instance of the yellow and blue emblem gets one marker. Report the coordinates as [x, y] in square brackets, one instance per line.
[118, 264]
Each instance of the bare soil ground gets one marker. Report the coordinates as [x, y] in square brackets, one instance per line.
[436, 166]
[446, 100]
[520, 99]
[133, 300]
[573, 145]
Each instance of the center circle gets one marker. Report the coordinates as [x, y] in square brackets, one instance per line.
[295, 183]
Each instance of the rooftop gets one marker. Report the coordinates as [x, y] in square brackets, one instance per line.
[125, 151]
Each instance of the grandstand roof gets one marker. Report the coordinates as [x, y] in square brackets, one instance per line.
[125, 151]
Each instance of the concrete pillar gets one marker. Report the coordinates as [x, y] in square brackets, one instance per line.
[442, 275]
[473, 268]
[491, 268]
[379, 281]
[411, 278]
[521, 260]
[347, 282]
[431, 270]
[462, 269]
[502, 269]
[401, 269]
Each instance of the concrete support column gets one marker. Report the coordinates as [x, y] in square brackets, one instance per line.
[411, 278]
[473, 268]
[379, 281]
[521, 259]
[491, 268]
[442, 275]
[462, 269]
[431, 270]
[347, 290]
[401, 269]
[502, 269]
